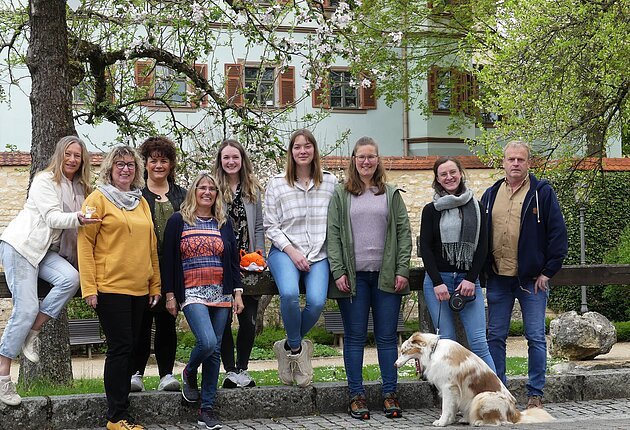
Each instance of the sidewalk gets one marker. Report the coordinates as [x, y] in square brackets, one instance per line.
[82, 367]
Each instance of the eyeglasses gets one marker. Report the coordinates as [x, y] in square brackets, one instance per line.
[369, 158]
[120, 165]
[206, 189]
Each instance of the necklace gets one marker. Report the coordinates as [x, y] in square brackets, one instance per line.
[158, 197]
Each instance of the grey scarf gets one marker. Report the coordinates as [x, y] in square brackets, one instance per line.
[72, 196]
[460, 222]
[127, 200]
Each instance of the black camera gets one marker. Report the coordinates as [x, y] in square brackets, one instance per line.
[457, 301]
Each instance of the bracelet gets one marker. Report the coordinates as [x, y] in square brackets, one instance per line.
[172, 298]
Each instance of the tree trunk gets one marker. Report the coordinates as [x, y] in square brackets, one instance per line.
[51, 93]
[260, 316]
[51, 110]
[54, 365]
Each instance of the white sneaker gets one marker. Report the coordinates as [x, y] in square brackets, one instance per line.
[244, 379]
[168, 383]
[30, 350]
[231, 380]
[8, 395]
[284, 369]
[303, 369]
[136, 382]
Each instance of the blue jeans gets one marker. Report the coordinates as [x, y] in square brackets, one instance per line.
[354, 313]
[501, 292]
[473, 316]
[297, 322]
[21, 279]
[207, 324]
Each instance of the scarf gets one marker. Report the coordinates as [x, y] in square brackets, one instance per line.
[72, 196]
[127, 200]
[460, 223]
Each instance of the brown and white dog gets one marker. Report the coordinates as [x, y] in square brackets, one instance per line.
[465, 383]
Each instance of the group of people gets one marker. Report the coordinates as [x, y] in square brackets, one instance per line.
[142, 248]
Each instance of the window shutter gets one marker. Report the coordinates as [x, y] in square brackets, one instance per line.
[144, 77]
[287, 86]
[201, 69]
[432, 88]
[321, 96]
[234, 84]
[368, 96]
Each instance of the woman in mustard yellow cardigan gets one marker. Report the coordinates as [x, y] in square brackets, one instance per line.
[119, 270]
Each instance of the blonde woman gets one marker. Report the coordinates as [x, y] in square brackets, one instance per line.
[41, 242]
[241, 194]
[203, 278]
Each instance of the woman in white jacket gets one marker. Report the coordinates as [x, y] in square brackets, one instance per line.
[41, 242]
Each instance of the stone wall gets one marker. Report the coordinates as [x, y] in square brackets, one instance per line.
[416, 183]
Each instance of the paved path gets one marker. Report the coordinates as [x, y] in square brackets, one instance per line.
[82, 367]
[596, 415]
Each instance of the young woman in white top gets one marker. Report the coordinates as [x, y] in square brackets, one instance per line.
[296, 209]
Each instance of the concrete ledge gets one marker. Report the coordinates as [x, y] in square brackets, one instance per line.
[76, 411]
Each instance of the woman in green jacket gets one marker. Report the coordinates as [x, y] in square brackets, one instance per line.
[369, 248]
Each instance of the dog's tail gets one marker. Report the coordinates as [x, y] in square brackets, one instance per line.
[534, 415]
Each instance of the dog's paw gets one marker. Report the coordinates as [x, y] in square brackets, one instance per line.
[440, 423]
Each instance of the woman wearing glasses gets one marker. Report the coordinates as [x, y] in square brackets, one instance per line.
[119, 271]
[202, 276]
[369, 248]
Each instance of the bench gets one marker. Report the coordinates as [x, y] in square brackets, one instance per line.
[334, 324]
[85, 332]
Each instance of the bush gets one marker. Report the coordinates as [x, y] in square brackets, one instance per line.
[79, 310]
[623, 331]
[606, 233]
[516, 327]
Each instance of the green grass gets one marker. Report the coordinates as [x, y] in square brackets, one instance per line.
[515, 366]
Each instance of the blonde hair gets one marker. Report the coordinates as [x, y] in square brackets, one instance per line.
[105, 175]
[518, 144]
[354, 184]
[316, 165]
[189, 205]
[56, 162]
[250, 187]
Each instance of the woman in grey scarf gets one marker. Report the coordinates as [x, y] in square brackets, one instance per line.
[453, 244]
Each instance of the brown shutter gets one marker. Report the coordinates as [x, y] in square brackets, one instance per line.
[432, 88]
[287, 86]
[144, 76]
[321, 96]
[234, 84]
[460, 90]
[201, 69]
[368, 96]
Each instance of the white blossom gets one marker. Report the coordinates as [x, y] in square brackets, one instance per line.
[198, 13]
[396, 36]
[366, 83]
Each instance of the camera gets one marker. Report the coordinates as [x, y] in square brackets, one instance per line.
[457, 301]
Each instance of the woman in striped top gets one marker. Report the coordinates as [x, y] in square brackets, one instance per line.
[202, 277]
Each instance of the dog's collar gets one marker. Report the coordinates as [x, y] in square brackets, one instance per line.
[434, 347]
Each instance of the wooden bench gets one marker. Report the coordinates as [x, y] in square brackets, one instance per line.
[85, 332]
[334, 324]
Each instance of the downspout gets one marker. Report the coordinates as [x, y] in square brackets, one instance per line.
[405, 113]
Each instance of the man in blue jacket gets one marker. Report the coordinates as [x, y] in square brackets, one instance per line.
[527, 243]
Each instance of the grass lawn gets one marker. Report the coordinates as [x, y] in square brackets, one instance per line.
[515, 366]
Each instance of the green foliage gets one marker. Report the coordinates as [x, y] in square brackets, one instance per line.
[516, 327]
[605, 224]
[623, 331]
[318, 334]
[79, 310]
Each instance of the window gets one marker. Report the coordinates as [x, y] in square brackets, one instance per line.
[343, 91]
[451, 90]
[259, 86]
[264, 87]
[169, 87]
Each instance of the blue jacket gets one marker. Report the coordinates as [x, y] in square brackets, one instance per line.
[173, 272]
[542, 242]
